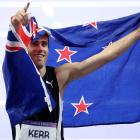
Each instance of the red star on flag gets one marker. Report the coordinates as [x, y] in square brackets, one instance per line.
[65, 54]
[93, 24]
[81, 106]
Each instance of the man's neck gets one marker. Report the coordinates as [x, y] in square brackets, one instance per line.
[42, 71]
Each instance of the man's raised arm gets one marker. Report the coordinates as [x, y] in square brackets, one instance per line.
[76, 70]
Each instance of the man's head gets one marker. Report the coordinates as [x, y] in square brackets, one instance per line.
[38, 51]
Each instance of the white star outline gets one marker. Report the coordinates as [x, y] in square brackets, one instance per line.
[91, 23]
[86, 111]
[57, 50]
[95, 26]
[107, 45]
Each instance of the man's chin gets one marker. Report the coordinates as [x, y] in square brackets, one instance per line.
[39, 65]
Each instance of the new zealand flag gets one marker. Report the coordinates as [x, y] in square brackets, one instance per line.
[109, 95]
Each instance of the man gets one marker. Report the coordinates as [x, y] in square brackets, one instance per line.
[62, 75]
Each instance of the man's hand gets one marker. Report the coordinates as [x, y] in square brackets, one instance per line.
[21, 17]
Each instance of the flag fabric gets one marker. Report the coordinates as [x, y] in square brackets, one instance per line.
[109, 95]
[26, 91]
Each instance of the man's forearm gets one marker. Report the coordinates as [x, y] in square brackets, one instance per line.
[119, 47]
[108, 54]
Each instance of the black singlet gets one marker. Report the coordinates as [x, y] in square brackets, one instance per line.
[45, 115]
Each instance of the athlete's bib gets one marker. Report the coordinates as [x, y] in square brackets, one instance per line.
[38, 131]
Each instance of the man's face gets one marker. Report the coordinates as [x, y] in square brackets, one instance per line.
[39, 51]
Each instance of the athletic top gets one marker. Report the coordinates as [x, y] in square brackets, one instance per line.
[45, 115]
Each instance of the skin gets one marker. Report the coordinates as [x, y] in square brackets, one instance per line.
[39, 53]
[71, 71]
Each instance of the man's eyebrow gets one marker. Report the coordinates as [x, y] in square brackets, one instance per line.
[44, 40]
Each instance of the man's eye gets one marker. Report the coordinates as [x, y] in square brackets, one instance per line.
[44, 43]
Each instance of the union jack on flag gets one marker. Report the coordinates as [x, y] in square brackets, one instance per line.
[26, 91]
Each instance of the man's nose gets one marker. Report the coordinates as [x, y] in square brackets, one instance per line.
[39, 46]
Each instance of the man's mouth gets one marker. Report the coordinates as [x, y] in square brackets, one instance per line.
[39, 55]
